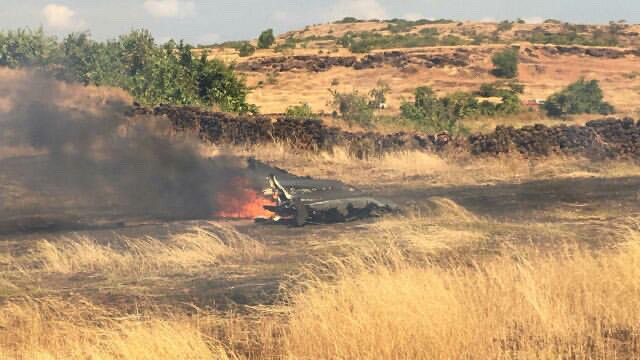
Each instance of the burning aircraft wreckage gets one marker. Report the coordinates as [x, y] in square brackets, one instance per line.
[299, 200]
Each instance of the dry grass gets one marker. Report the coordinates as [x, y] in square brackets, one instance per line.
[542, 75]
[489, 124]
[377, 304]
[56, 329]
[190, 252]
[578, 304]
[420, 168]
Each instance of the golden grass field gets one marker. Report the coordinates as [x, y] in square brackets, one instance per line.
[415, 287]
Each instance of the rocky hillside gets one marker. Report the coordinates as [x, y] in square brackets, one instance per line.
[448, 56]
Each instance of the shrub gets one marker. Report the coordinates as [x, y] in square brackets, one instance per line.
[428, 32]
[452, 40]
[506, 63]
[353, 107]
[505, 25]
[289, 43]
[348, 20]
[400, 26]
[500, 88]
[378, 95]
[581, 97]
[246, 49]
[360, 47]
[570, 36]
[266, 39]
[430, 113]
[302, 111]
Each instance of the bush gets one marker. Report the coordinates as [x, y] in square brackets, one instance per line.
[598, 37]
[246, 49]
[302, 111]
[366, 41]
[400, 26]
[500, 88]
[353, 107]
[266, 39]
[378, 95]
[430, 113]
[289, 43]
[360, 47]
[581, 97]
[505, 25]
[506, 63]
[452, 40]
[429, 32]
[348, 20]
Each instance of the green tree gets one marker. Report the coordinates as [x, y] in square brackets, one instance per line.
[266, 39]
[152, 74]
[505, 63]
[25, 47]
[246, 49]
[217, 83]
[580, 97]
[90, 62]
[137, 48]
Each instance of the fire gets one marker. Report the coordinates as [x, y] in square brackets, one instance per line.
[242, 202]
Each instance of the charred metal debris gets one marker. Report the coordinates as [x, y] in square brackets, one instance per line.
[302, 200]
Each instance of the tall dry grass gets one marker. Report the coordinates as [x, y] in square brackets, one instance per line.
[184, 252]
[578, 304]
[56, 329]
[419, 168]
[377, 303]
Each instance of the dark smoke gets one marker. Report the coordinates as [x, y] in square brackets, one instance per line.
[105, 165]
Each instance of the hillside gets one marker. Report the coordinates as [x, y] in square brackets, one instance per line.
[449, 56]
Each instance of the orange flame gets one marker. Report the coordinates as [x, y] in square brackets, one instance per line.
[242, 202]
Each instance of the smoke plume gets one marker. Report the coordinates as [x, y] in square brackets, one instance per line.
[101, 163]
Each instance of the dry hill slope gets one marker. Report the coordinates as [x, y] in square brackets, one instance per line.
[318, 62]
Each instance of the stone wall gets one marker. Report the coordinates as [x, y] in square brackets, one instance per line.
[606, 138]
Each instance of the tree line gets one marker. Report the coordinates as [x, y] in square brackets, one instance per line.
[153, 73]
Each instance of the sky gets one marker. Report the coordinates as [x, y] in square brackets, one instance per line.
[206, 22]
